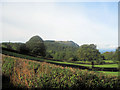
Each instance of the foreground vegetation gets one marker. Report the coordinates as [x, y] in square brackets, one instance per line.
[25, 73]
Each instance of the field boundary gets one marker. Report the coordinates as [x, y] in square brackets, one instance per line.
[62, 64]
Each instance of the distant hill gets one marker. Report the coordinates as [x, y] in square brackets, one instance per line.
[11, 45]
[68, 43]
[61, 49]
[106, 50]
[64, 43]
[54, 49]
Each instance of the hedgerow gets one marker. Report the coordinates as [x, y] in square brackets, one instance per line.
[33, 74]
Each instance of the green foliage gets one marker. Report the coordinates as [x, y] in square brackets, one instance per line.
[108, 55]
[61, 49]
[36, 39]
[108, 65]
[13, 46]
[7, 66]
[23, 49]
[108, 61]
[88, 52]
[7, 45]
[75, 63]
[36, 46]
[114, 56]
[52, 76]
[48, 55]
[21, 55]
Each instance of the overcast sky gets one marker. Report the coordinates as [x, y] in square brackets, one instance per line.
[83, 23]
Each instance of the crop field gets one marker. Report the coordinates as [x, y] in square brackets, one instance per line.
[87, 65]
[24, 73]
[88, 62]
[108, 65]
[108, 61]
[109, 73]
[59, 62]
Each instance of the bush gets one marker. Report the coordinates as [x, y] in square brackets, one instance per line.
[100, 62]
[30, 74]
[23, 49]
[48, 56]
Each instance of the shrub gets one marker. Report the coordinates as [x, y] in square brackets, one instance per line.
[45, 75]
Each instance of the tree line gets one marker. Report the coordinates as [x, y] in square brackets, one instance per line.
[51, 49]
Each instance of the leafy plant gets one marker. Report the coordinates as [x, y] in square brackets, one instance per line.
[22, 74]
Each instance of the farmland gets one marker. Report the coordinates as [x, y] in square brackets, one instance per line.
[57, 44]
[26, 73]
[108, 65]
[110, 73]
[59, 62]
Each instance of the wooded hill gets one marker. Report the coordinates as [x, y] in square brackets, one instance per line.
[54, 49]
[59, 50]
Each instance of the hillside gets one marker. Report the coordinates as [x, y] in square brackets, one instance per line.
[47, 42]
[68, 43]
[25, 73]
[64, 50]
[61, 49]
[64, 43]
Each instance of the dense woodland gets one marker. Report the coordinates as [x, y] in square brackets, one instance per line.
[61, 50]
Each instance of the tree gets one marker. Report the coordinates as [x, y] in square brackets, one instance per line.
[116, 56]
[36, 46]
[48, 55]
[8, 45]
[61, 49]
[108, 55]
[23, 49]
[88, 52]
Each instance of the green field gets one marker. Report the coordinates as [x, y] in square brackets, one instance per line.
[83, 62]
[64, 63]
[71, 63]
[108, 66]
[50, 61]
[108, 61]
[90, 66]
[109, 73]
[102, 66]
